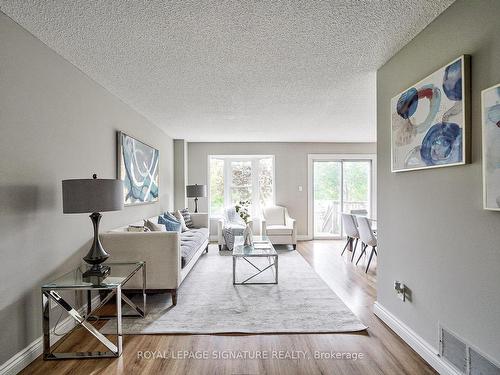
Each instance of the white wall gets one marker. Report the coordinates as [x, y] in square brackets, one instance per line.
[433, 233]
[290, 168]
[55, 123]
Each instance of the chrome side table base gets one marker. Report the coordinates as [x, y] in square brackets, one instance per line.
[114, 349]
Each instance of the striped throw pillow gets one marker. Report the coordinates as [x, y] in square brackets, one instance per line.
[187, 218]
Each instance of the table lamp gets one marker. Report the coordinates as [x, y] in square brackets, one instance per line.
[196, 191]
[93, 196]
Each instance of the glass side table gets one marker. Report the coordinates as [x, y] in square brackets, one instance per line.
[119, 275]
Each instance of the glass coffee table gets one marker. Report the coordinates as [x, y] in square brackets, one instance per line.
[261, 248]
[120, 274]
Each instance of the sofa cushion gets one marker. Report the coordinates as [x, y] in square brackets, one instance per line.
[278, 230]
[274, 215]
[191, 241]
[188, 249]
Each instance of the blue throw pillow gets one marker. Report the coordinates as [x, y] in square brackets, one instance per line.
[168, 215]
[170, 225]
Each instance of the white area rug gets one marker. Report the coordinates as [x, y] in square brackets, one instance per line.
[208, 303]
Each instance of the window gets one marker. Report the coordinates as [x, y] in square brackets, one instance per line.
[243, 177]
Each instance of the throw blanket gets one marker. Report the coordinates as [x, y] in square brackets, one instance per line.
[229, 233]
[233, 226]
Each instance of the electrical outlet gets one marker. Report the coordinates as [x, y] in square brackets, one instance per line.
[400, 289]
[300, 187]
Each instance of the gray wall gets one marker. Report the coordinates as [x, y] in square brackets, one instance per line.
[290, 168]
[180, 172]
[55, 123]
[433, 233]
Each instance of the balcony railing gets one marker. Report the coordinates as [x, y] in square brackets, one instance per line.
[327, 218]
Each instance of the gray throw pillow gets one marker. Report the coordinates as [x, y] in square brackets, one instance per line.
[137, 228]
[154, 227]
[187, 218]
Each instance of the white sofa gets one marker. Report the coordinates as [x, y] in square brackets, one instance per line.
[169, 256]
[279, 226]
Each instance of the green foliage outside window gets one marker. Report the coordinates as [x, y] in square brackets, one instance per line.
[216, 186]
[241, 183]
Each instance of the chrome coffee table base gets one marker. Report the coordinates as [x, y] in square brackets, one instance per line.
[261, 248]
[273, 266]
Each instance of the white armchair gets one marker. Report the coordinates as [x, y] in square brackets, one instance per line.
[279, 226]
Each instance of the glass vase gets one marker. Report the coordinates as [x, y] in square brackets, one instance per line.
[248, 235]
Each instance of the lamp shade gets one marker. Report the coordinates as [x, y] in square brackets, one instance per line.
[196, 191]
[92, 195]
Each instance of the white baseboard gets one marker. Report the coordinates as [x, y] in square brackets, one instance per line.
[23, 358]
[416, 342]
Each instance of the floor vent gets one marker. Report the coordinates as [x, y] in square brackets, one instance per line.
[453, 350]
[466, 359]
[480, 365]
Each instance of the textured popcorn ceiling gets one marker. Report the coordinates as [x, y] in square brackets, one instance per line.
[235, 70]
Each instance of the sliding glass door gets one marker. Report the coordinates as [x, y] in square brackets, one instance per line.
[327, 198]
[338, 186]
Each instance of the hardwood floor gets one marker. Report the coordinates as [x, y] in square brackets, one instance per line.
[382, 351]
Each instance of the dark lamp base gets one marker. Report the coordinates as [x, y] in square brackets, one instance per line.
[97, 270]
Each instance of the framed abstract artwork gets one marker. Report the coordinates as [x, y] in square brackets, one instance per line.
[430, 120]
[490, 109]
[138, 168]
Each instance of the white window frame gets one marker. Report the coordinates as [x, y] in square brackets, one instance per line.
[310, 185]
[255, 180]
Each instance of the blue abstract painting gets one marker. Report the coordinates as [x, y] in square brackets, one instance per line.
[490, 107]
[138, 168]
[428, 120]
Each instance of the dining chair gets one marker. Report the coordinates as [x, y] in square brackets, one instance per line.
[351, 231]
[368, 238]
[359, 212]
